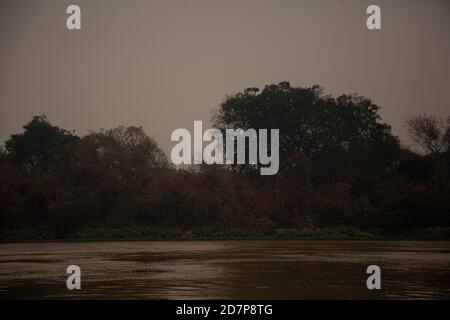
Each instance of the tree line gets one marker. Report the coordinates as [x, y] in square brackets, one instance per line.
[340, 167]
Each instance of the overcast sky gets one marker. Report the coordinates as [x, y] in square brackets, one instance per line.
[163, 64]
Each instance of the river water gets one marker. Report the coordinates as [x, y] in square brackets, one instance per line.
[226, 270]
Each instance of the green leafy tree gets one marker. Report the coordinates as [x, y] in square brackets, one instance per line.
[41, 145]
[336, 133]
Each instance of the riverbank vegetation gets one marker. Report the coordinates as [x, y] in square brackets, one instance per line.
[343, 174]
[197, 234]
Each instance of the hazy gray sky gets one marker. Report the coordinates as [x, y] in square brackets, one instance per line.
[163, 64]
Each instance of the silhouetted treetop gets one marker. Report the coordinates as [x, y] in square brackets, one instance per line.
[430, 133]
[123, 147]
[311, 121]
[41, 144]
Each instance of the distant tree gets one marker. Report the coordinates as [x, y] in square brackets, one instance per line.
[140, 148]
[333, 132]
[116, 168]
[123, 147]
[430, 133]
[41, 145]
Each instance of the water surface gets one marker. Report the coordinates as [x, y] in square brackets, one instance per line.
[226, 269]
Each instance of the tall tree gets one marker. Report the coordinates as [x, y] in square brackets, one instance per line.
[41, 145]
[333, 132]
[128, 148]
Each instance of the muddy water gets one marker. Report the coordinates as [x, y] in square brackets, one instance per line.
[226, 269]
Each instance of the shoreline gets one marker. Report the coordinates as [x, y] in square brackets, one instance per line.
[158, 234]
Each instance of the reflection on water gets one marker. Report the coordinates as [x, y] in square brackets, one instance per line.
[226, 269]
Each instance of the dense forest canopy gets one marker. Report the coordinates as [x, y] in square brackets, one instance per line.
[337, 134]
[341, 167]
